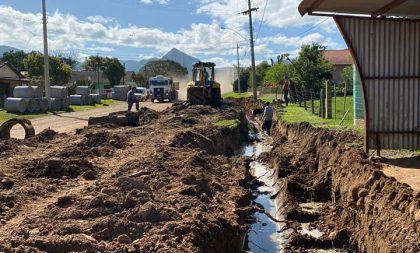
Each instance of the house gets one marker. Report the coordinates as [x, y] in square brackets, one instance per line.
[340, 59]
[10, 77]
[85, 77]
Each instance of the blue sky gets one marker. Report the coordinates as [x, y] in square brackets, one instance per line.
[138, 29]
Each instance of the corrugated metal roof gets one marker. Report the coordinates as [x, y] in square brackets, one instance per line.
[338, 57]
[375, 8]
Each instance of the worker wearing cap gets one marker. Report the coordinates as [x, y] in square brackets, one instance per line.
[131, 99]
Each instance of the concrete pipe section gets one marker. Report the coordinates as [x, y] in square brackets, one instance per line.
[8, 125]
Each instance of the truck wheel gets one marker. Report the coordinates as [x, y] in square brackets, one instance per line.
[152, 100]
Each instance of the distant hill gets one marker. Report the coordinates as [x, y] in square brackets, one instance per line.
[4, 49]
[182, 58]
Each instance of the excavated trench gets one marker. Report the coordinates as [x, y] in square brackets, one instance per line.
[323, 194]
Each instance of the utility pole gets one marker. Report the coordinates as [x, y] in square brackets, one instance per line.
[97, 63]
[239, 76]
[251, 40]
[46, 63]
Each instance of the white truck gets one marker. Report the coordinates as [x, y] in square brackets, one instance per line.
[162, 88]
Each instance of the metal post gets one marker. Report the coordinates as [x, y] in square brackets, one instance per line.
[97, 63]
[239, 75]
[46, 62]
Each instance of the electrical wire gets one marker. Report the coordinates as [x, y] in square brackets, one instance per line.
[262, 19]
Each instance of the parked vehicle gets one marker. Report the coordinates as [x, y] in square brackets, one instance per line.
[141, 93]
[162, 88]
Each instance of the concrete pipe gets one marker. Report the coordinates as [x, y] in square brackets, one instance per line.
[96, 98]
[37, 102]
[55, 104]
[15, 105]
[38, 91]
[76, 99]
[44, 104]
[23, 92]
[30, 104]
[82, 90]
[8, 125]
[86, 99]
[58, 91]
[65, 103]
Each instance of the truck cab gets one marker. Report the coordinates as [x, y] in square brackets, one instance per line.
[162, 88]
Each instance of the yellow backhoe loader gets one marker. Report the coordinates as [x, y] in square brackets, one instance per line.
[203, 90]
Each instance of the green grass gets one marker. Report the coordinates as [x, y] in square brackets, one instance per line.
[4, 116]
[294, 114]
[231, 123]
[237, 95]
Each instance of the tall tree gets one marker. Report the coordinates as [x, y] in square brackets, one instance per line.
[112, 68]
[15, 58]
[162, 67]
[60, 72]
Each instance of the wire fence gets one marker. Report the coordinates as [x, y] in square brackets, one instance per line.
[340, 105]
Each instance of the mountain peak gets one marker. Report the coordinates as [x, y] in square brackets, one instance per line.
[182, 58]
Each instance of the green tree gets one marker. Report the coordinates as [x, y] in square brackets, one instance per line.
[112, 68]
[34, 64]
[60, 73]
[261, 69]
[312, 66]
[244, 74]
[15, 58]
[277, 73]
[162, 67]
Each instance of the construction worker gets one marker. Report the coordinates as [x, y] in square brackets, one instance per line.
[285, 90]
[268, 118]
[206, 78]
[131, 99]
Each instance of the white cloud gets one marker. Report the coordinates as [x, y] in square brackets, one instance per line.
[154, 1]
[102, 34]
[278, 13]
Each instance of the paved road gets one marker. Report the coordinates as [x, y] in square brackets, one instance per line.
[68, 122]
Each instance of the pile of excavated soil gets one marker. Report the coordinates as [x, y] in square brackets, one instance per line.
[363, 210]
[152, 188]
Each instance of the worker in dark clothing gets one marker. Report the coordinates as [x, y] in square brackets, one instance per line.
[131, 99]
[268, 118]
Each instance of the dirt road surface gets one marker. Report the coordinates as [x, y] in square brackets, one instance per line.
[68, 122]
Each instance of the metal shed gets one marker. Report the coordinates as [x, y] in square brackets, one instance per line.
[384, 39]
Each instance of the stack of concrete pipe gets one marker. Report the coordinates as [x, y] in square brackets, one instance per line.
[120, 92]
[83, 97]
[59, 98]
[26, 99]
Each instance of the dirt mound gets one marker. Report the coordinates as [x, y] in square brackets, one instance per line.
[45, 136]
[59, 168]
[364, 209]
[101, 139]
[147, 115]
[147, 196]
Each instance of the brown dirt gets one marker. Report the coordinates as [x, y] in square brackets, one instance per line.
[127, 189]
[364, 210]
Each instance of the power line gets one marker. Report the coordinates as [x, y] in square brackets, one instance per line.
[262, 19]
[313, 27]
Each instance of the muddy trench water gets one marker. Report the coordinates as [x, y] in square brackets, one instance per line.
[269, 232]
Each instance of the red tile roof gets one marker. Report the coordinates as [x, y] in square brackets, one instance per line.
[338, 57]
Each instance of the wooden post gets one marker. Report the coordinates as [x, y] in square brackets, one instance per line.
[321, 103]
[328, 100]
